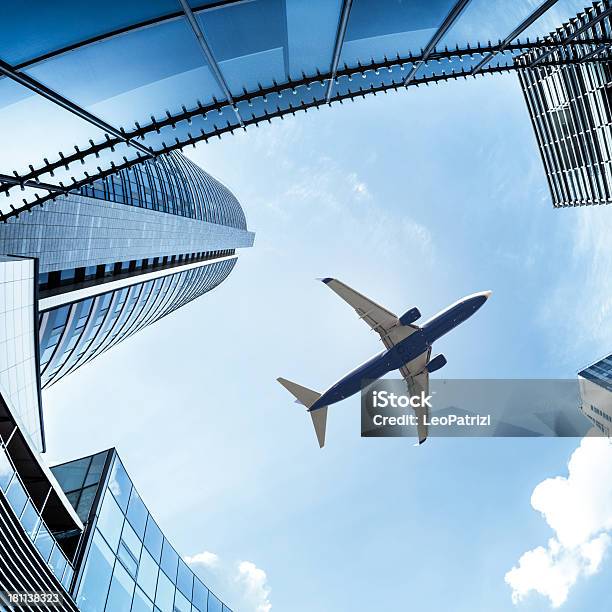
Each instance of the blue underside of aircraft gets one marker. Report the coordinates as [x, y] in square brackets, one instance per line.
[404, 352]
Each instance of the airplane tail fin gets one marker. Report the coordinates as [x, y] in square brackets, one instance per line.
[307, 397]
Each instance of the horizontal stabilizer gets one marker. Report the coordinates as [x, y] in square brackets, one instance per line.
[306, 397]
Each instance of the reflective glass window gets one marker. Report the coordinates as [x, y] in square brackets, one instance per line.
[96, 576]
[30, 520]
[121, 591]
[6, 470]
[137, 514]
[120, 484]
[153, 539]
[141, 602]
[44, 542]
[95, 469]
[110, 520]
[214, 605]
[72, 475]
[130, 564]
[169, 561]
[147, 574]
[16, 496]
[181, 603]
[184, 579]
[67, 579]
[86, 500]
[57, 562]
[129, 549]
[164, 598]
[200, 595]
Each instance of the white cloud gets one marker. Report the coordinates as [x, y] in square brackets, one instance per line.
[255, 583]
[209, 559]
[578, 508]
[248, 588]
[359, 187]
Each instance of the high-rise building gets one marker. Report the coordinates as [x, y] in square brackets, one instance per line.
[124, 562]
[86, 272]
[88, 544]
[570, 103]
[124, 252]
[596, 393]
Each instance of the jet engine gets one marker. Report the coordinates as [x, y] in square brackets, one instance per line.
[410, 317]
[439, 361]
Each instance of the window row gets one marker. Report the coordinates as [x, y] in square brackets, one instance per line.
[173, 184]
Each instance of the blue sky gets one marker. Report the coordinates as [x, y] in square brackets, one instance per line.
[415, 199]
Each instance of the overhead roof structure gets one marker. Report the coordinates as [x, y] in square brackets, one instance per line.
[90, 88]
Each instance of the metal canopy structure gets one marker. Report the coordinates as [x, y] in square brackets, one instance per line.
[89, 89]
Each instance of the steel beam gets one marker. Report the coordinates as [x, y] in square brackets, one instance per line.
[340, 34]
[573, 36]
[210, 58]
[518, 30]
[445, 26]
[13, 180]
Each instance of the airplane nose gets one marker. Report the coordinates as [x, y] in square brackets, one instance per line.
[487, 294]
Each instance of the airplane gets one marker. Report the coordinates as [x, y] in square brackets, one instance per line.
[407, 349]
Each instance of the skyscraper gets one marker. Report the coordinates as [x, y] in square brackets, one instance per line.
[90, 543]
[124, 252]
[77, 277]
[570, 105]
[596, 393]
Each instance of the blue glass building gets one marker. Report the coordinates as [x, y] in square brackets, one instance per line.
[78, 531]
[116, 559]
[123, 252]
[599, 373]
[596, 394]
[124, 560]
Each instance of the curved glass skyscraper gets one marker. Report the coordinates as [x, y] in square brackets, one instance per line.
[120, 254]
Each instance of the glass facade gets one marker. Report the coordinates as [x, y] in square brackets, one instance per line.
[24, 508]
[172, 184]
[124, 252]
[18, 356]
[600, 373]
[128, 564]
[74, 334]
[571, 110]
[162, 75]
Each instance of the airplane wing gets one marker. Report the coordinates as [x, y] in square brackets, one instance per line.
[380, 320]
[417, 379]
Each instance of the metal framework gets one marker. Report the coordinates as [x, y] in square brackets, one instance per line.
[568, 39]
[211, 113]
[516, 32]
[32, 178]
[340, 34]
[210, 58]
[446, 25]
